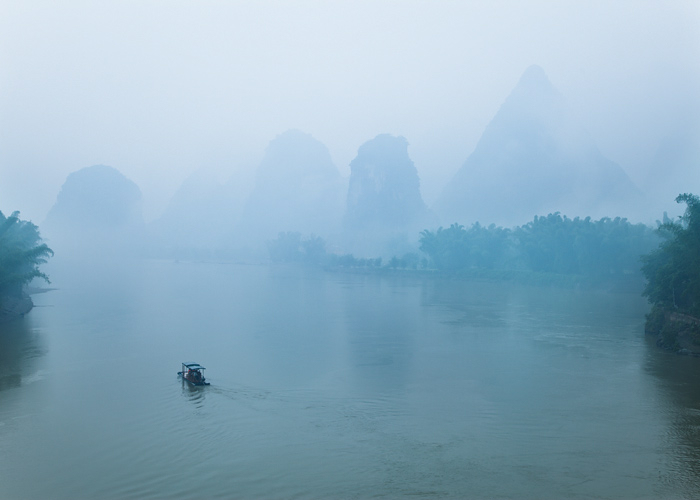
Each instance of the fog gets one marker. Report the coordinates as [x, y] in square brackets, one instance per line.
[169, 91]
[413, 243]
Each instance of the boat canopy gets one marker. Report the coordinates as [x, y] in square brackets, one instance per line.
[193, 366]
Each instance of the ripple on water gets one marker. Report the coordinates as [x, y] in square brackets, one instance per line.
[454, 391]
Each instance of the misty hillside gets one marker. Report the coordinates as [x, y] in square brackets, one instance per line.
[297, 188]
[384, 201]
[675, 167]
[200, 215]
[96, 206]
[535, 158]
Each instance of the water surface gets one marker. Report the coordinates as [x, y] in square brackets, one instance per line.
[328, 385]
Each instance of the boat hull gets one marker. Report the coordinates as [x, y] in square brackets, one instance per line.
[190, 381]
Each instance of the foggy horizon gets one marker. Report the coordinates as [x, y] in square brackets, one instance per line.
[161, 92]
[423, 249]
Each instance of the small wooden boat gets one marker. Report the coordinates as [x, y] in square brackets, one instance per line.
[192, 373]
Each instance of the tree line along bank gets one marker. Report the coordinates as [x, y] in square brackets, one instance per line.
[549, 249]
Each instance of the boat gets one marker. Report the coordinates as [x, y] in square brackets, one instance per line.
[192, 373]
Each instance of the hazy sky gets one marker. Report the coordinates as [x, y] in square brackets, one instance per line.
[159, 89]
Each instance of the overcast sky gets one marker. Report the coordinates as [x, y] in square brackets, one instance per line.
[159, 89]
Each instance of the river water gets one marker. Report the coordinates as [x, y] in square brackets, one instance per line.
[331, 385]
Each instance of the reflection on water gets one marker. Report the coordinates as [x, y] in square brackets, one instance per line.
[21, 346]
[194, 394]
[678, 380]
[334, 385]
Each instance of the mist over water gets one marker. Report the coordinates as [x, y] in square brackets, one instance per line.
[339, 385]
[334, 207]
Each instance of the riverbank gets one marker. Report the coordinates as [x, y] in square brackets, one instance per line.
[12, 307]
[674, 331]
[623, 283]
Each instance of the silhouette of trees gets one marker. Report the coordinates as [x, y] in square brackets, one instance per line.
[602, 248]
[673, 269]
[457, 248]
[552, 244]
[291, 247]
[21, 253]
[597, 250]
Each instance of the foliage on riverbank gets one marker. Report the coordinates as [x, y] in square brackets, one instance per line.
[673, 280]
[551, 250]
[21, 254]
[551, 245]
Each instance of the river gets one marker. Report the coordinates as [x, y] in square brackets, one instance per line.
[333, 385]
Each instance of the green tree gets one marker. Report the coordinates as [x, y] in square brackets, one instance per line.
[290, 247]
[457, 248]
[547, 245]
[554, 244]
[286, 248]
[673, 269]
[21, 253]
[314, 249]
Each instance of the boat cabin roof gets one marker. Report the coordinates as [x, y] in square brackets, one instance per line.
[193, 366]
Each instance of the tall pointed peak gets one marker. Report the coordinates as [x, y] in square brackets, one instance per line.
[384, 145]
[536, 154]
[534, 100]
[534, 85]
[534, 76]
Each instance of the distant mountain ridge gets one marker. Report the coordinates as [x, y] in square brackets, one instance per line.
[97, 207]
[96, 196]
[384, 200]
[675, 167]
[535, 158]
[200, 216]
[297, 188]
